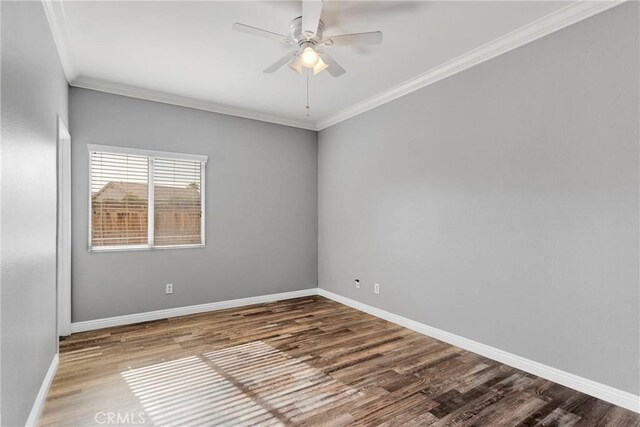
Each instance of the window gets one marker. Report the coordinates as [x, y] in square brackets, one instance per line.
[145, 199]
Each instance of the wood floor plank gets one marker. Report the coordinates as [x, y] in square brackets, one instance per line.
[308, 362]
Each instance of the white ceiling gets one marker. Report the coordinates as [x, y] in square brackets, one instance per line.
[188, 49]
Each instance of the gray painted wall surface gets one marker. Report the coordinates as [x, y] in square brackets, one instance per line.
[261, 209]
[501, 204]
[34, 93]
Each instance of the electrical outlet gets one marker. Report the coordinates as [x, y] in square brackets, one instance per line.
[376, 288]
[357, 282]
[169, 288]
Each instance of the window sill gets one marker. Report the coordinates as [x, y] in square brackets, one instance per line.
[143, 248]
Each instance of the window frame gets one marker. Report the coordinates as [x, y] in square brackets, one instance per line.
[151, 155]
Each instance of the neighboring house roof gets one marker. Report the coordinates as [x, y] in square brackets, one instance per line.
[118, 190]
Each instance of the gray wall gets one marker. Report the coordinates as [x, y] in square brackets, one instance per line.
[261, 209]
[34, 93]
[501, 204]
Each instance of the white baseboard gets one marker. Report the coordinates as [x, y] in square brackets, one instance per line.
[584, 385]
[38, 405]
[129, 319]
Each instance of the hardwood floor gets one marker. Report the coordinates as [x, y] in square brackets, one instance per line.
[307, 361]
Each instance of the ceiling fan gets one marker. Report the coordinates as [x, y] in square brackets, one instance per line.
[307, 35]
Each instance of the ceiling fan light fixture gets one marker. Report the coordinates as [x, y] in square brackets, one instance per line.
[307, 35]
[309, 57]
[296, 64]
[319, 66]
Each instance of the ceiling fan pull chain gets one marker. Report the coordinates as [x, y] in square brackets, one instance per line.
[307, 106]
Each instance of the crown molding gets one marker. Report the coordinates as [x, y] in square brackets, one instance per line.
[562, 18]
[166, 98]
[54, 10]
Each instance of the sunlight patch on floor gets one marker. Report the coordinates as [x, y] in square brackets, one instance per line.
[248, 384]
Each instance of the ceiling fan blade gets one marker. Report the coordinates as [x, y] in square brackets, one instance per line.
[374, 37]
[280, 62]
[261, 33]
[311, 11]
[333, 67]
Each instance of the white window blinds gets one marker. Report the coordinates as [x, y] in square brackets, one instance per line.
[177, 201]
[126, 214]
[119, 196]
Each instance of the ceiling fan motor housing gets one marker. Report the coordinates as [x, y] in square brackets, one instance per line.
[300, 38]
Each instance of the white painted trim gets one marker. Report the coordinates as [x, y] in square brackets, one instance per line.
[151, 156]
[562, 18]
[203, 203]
[128, 319]
[63, 255]
[54, 10]
[584, 385]
[133, 248]
[38, 405]
[93, 148]
[166, 98]
[151, 202]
